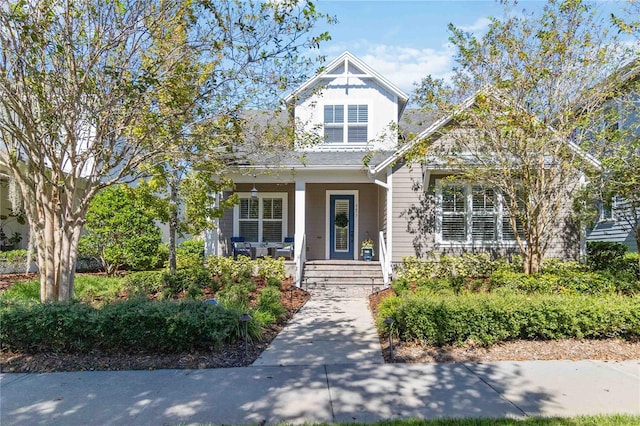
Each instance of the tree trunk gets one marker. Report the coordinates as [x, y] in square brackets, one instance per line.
[57, 256]
[57, 236]
[173, 224]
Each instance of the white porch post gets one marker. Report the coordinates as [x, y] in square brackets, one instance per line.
[389, 217]
[300, 243]
[212, 235]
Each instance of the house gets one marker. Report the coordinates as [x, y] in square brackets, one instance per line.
[618, 218]
[355, 184]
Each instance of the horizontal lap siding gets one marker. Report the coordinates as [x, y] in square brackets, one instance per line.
[408, 238]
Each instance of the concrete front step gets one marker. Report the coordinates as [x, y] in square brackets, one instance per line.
[327, 273]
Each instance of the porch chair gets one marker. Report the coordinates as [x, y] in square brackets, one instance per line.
[240, 247]
[286, 250]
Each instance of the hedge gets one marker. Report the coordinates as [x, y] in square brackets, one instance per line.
[490, 318]
[134, 326]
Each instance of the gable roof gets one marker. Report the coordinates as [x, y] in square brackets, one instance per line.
[439, 124]
[347, 65]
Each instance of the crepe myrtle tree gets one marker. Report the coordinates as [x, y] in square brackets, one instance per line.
[86, 85]
[523, 81]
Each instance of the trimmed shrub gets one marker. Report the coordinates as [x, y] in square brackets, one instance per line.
[135, 326]
[271, 268]
[491, 318]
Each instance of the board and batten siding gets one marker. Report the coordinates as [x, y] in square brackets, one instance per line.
[383, 111]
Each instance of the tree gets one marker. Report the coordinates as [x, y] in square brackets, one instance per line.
[613, 134]
[82, 86]
[120, 230]
[525, 79]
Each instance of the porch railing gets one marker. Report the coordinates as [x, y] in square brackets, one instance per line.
[384, 262]
[301, 258]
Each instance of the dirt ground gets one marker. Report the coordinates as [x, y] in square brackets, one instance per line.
[239, 355]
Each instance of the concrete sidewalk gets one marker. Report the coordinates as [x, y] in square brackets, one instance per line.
[327, 393]
[325, 366]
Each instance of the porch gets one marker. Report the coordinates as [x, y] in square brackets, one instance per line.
[325, 220]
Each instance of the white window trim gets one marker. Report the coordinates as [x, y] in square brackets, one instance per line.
[261, 195]
[469, 242]
[345, 124]
[602, 217]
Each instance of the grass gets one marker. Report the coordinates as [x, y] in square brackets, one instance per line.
[602, 420]
[87, 288]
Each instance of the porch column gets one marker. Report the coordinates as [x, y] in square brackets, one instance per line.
[389, 217]
[300, 240]
[212, 234]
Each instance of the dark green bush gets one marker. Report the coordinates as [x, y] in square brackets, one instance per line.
[401, 285]
[490, 318]
[274, 282]
[190, 281]
[602, 256]
[120, 327]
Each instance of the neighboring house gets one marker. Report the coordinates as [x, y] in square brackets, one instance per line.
[13, 234]
[615, 219]
[356, 185]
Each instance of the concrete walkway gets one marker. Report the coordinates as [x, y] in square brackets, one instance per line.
[331, 371]
[334, 327]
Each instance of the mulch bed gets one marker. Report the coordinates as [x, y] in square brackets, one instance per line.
[520, 350]
[237, 355]
[234, 355]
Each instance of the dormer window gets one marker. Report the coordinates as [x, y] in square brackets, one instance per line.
[355, 130]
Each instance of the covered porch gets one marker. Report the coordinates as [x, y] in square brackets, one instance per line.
[327, 215]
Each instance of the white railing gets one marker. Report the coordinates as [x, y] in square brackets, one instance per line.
[385, 263]
[301, 258]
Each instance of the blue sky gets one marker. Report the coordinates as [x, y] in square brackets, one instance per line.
[407, 40]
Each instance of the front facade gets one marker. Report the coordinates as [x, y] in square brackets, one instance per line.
[354, 184]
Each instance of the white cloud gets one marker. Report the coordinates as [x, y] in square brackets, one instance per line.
[478, 26]
[402, 66]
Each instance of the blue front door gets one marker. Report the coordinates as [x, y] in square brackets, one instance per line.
[341, 226]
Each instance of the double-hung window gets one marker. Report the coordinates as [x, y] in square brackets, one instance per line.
[469, 214]
[261, 219]
[352, 128]
[334, 123]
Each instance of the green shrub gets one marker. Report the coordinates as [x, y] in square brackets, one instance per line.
[401, 285]
[560, 267]
[274, 282]
[47, 327]
[235, 296]
[162, 258]
[269, 301]
[190, 281]
[14, 256]
[271, 268]
[602, 255]
[120, 327]
[490, 318]
[143, 283]
[190, 254]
